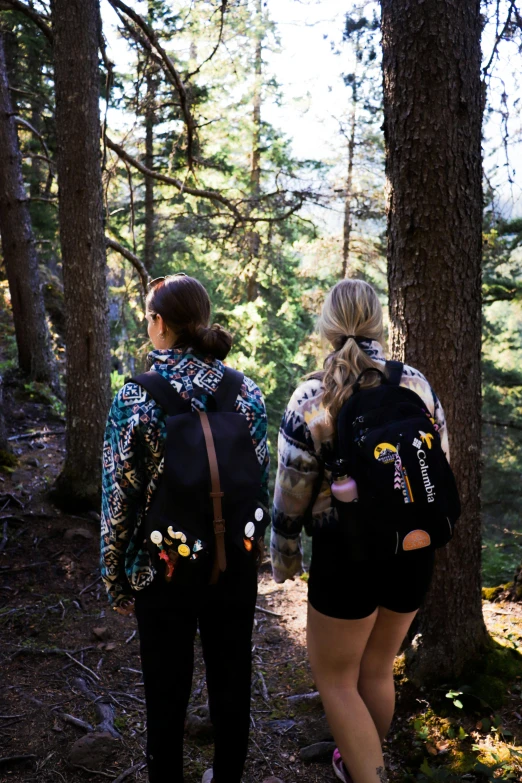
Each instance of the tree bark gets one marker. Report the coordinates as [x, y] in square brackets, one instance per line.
[33, 340]
[433, 105]
[150, 122]
[254, 240]
[76, 28]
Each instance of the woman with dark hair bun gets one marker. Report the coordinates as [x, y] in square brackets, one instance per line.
[178, 309]
[188, 353]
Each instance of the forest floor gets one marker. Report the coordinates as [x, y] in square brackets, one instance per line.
[65, 656]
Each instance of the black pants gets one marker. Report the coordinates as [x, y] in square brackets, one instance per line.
[168, 616]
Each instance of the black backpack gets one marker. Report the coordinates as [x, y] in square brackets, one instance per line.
[389, 443]
[207, 500]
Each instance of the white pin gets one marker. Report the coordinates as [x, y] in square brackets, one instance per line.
[250, 529]
[183, 538]
[156, 537]
[259, 514]
[171, 532]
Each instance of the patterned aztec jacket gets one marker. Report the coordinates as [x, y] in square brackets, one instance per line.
[304, 436]
[133, 461]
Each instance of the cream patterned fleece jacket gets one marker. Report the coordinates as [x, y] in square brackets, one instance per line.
[305, 435]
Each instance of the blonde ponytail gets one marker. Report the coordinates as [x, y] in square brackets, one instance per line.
[351, 313]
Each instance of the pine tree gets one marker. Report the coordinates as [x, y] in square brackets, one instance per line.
[365, 112]
[18, 245]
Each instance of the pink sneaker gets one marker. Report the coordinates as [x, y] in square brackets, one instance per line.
[339, 768]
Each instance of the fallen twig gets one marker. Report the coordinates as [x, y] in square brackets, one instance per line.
[25, 757]
[267, 611]
[128, 696]
[52, 709]
[85, 589]
[264, 689]
[131, 637]
[296, 698]
[8, 717]
[92, 771]
[50, 651]
[83, 666]
[82, 724]
[10, 497]
[8, 570]
[492, 609]
[11, 611]
[3, 542]
[37, 434]
[130, 771]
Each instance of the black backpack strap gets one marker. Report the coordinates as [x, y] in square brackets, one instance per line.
[172, 403]
[162, 392]
[227, 392]
[394, 372]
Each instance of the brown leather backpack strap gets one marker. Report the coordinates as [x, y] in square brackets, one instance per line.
[216, 494]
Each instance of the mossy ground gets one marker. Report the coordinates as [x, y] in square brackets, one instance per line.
[8, 461]
[470, 729]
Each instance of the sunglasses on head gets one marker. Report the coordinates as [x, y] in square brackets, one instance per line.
[158, 280]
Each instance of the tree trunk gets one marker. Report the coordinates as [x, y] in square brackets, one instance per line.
[36, 102]
[150, 122]
[433, 104]
[347, 224]
[254, 240]
[76, 27]
[32, 334]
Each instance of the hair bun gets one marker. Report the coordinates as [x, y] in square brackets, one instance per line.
[212, 340]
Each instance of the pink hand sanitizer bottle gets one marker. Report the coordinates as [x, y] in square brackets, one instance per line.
[344, 489]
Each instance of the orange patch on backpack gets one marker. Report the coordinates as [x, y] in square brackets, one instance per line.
[417, 539]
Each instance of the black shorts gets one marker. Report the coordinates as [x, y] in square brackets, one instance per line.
[351, 590]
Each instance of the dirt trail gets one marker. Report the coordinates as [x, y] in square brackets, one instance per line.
[66, 658]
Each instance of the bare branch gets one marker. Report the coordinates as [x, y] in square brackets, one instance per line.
[30, 156]
[177, 183]
[512, 425]
[15, 5]
[50, 176]
[135, 261]
[278, 218]
[171, 71]
[222, 9]
[25, 124]
[499, 37]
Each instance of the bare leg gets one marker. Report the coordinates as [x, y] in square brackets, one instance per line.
[335, 648]
[376, 684]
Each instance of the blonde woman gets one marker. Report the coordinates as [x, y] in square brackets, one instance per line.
[359, 611]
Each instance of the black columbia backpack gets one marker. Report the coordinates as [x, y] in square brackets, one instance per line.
[389, 443]
[207, 500]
